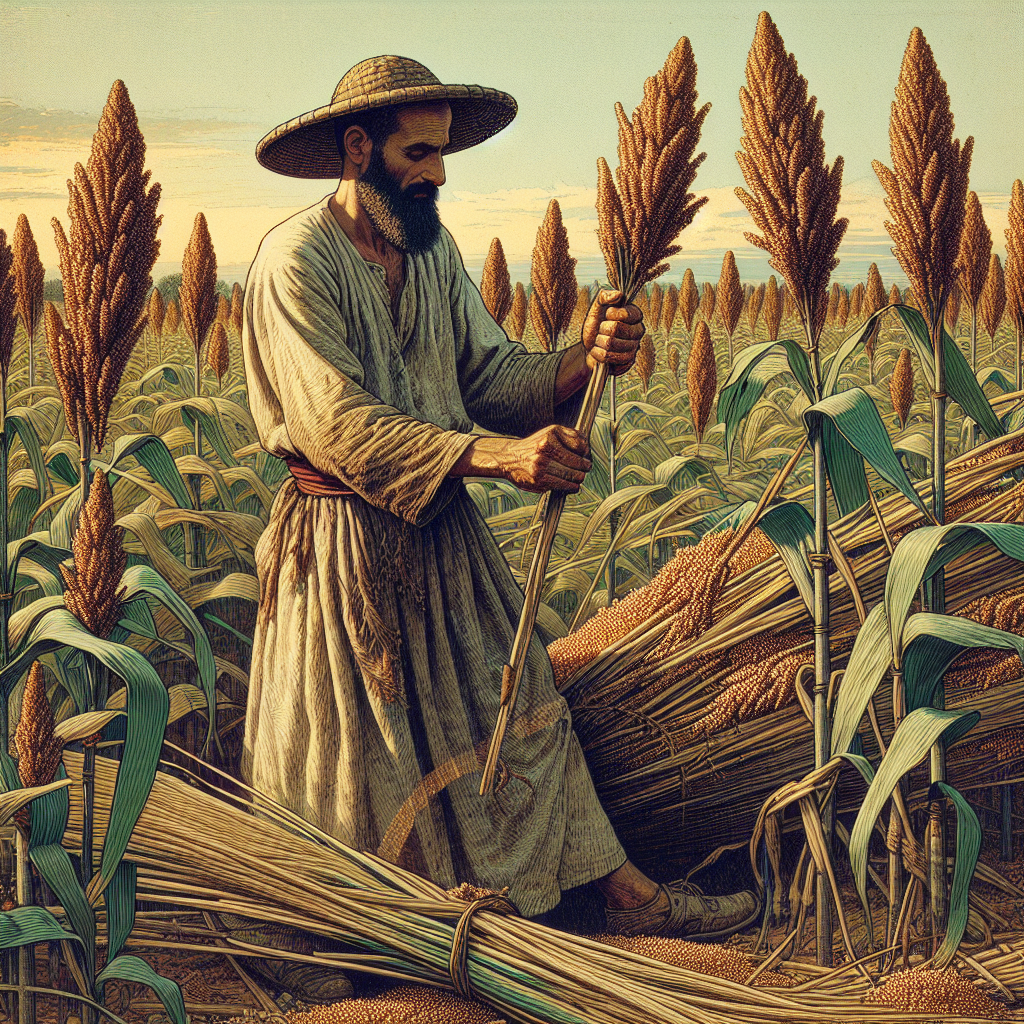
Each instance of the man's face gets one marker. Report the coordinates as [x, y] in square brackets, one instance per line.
[398, 189]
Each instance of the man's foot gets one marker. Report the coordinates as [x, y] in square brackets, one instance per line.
[681, 910]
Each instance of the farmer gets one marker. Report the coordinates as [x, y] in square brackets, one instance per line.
[387, 610]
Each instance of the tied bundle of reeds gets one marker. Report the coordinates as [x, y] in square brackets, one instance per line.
[495, 283]
[553, 276]
[393, 923]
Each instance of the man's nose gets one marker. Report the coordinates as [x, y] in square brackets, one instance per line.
[434, 170]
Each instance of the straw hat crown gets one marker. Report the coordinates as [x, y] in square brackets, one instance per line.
[304, 147]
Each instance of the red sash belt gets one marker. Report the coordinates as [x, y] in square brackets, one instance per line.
[314, 484]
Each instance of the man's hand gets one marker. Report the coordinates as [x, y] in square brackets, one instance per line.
[552, 459]
[612, 333]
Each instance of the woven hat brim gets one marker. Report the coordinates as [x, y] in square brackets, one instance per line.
[305, 147]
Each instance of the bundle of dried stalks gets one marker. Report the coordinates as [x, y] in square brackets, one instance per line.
[793, 193]
[8, 307]
[644, 210]
[208, 852]
[926, 189]
[198, 292]
[517, 314]
[107, 262]
[495, 284]
[754, 306]
[689, 299]
[92, 582]
[857, 300]
[772, 309]
[730, 296]
[217, 354]
[901, 386]
[29, 275]
[173, 318]
[669, 308]
[708, 299]
[993, 297]
[701, 378]
[1015, 271]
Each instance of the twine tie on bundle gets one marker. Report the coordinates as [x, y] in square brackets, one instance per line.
[458, 966]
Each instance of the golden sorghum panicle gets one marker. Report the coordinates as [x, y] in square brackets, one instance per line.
[754, 306]
[656, 301]
[107, 262]
[29, 275]
[67, 369]
[926, 188]
[772, 309]
[993, 296]
[975, 252]
[945, 992]
[843, 307]
[579, 313]
[901, 386]
[645, 359]
[38, 748]
[643, 211]
[172, 319]
[875, 297]
[157, 312]
[1015, 258]
[701, 378]
[729, 295]
[93, 591]
[237, 303]
[673, 362]
[217, 355]
[552, 274]
[669, 308]
[8, 305]
[223, 309]
[689, 299]
[708, 299]
[788, 303]
[517, 314]
[857, 300]
[953, 310]
[833, 303]
[198, 292]
[495, 284]
[793, 194]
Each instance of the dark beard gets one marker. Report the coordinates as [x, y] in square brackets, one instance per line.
[409, 223]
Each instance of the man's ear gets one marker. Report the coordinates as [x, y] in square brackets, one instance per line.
[357, 147]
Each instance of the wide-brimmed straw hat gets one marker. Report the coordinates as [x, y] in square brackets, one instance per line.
[304, 147]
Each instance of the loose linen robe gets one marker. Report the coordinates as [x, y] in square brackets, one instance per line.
[386, 617]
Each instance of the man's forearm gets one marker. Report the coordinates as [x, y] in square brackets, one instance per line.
[482, 458]
[573, 373]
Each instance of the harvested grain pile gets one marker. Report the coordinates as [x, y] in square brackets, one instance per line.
[404, 1004]
[707, 958]
[943, 992]
[677, 591]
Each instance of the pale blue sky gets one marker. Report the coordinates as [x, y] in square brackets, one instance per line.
[208, 79]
